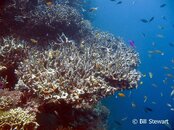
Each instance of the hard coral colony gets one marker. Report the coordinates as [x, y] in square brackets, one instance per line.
[61, 78]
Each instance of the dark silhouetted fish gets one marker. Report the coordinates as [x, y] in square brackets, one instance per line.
[119, 2]
[147, 109]
[144, 20]
[163, 5]
[171, 44]
[118, 123]
[151, 19]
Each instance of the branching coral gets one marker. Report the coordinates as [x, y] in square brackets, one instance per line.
[2, 68]
[58, 13]
[11, 52]
[6, 102]
[17, 119]
[78, 76]
[10, 99]
[57, 19]
[55, 81]
[43, 22]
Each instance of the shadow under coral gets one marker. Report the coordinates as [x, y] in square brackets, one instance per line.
[69, 118]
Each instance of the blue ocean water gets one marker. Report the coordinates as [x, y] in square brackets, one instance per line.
[124, 20]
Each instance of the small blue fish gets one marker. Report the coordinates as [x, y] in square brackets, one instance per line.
[144, 20]
[151, 19]
[171, 44]
[132, 43]
[163, 5]
[147, 109]
[119, 2]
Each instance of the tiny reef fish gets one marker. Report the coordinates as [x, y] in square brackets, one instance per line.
[148, 109]
[121, 94]
[93, 9]
[132, 43]
[119, 2]
[150, 75]
[163, 5]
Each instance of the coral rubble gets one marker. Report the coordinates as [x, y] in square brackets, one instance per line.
[55, 67]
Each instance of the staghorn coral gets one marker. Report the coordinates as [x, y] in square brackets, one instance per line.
[78, 76]
[37, 20]
[57, 19]
[6, 102]
[10, 99]
[119, 59]
[58, 82]
[11, 52]
[44, 15]
[17, 119]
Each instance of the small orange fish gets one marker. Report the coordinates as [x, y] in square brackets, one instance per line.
[121, 94]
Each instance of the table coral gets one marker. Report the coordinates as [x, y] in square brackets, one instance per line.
[78, 78]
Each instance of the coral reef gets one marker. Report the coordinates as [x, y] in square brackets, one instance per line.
[42, 22]
[76, 119]
[10, 99]
[17, 119]
[12, 52]
[78, 76]
[55, 67]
